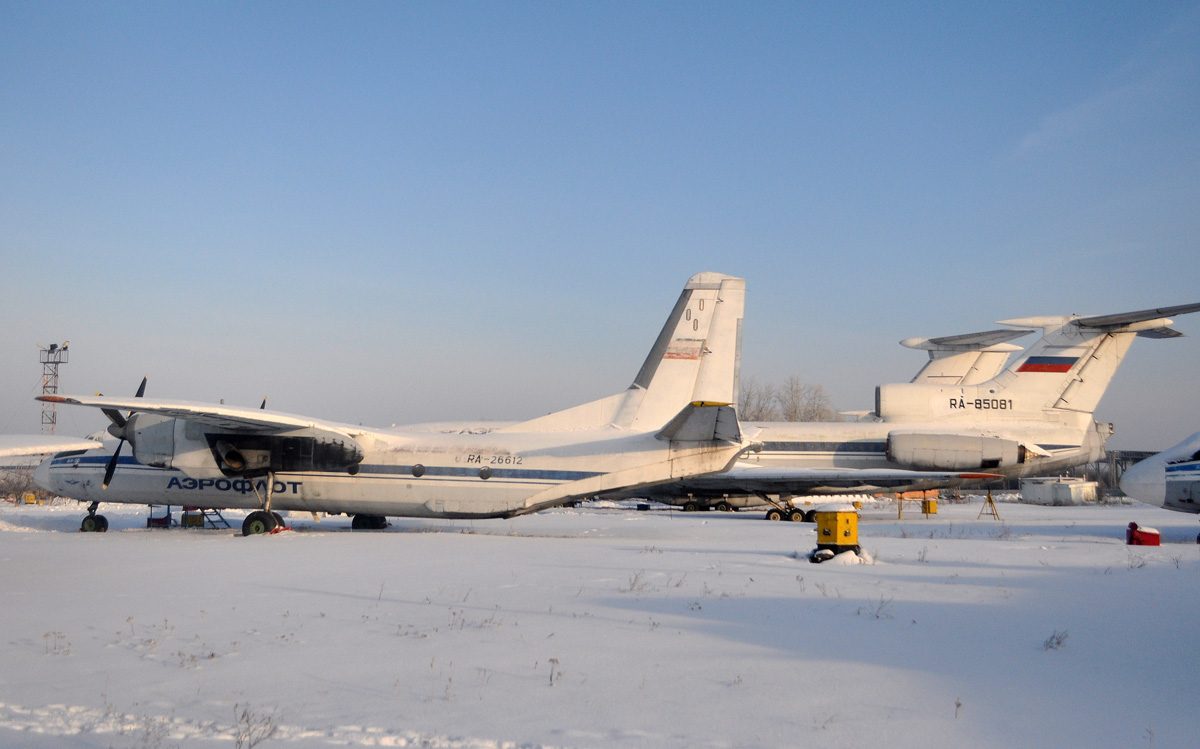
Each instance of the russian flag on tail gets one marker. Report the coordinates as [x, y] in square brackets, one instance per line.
[1048, 364]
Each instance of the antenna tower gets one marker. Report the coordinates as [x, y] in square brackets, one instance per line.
[50, 357]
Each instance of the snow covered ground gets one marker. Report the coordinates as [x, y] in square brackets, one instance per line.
[602, 627]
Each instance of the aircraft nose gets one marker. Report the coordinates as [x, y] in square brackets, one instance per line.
[41, 474]
[1146, 482]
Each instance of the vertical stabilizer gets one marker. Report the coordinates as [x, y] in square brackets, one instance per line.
[1067, 370]
[695, 358]
[701, 359]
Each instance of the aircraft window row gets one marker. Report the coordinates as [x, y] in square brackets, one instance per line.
[829, 447]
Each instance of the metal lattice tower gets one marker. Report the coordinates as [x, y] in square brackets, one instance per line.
[51, 357]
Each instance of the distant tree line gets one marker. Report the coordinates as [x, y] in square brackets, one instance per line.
[794, 400]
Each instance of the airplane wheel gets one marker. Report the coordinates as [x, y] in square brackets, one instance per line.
[722, 507]
[368, 523]
[796, 516]
[278, 520]
[689, 507]
[774, 514]
[94, 524]
[258, 522]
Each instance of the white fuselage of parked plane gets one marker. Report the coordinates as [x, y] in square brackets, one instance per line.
[1169, 479]
[417, 474]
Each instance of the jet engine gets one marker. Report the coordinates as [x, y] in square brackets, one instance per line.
[952, 452]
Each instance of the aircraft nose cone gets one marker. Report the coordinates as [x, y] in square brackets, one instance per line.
[1146, 482]
[41, 475]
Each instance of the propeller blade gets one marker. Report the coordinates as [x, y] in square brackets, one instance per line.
[263, 407]
[142, 388]
[115, 417]
[111, 468]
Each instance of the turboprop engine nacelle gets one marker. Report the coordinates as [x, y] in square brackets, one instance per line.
[167, 442]
[952, 452]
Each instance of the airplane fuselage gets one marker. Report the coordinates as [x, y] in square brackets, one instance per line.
[863, 446]
[418, 474]
[1169, 479]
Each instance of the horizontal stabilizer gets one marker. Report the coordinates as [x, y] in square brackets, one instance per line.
[1128, 318]
[703, 422]
[968, 341]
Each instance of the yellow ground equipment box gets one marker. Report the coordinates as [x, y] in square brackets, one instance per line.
[191, 520]
[929, 506]
[837, 529]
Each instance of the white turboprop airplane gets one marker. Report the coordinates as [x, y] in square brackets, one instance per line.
[1170, 479]
[962, 419]
[676, 420]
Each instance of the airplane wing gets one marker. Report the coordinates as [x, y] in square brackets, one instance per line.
[230, 418]
[750, 478]
[14, 445]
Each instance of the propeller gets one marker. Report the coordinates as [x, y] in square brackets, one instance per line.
[117, 430]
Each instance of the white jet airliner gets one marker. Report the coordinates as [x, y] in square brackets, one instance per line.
[1170, 479]
[676, 420]
[965, 412]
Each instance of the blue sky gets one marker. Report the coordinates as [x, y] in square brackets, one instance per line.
[398, 212]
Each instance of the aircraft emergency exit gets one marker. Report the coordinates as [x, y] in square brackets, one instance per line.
[676, 420]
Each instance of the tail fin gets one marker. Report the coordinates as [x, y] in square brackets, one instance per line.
[1068, 369]
[696, 357]
[966, 359]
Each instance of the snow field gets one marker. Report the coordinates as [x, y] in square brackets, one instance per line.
[601, 627]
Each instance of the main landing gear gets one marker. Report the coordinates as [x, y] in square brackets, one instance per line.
[261, 521]
[266, 519]
[93, 523]
[368, 523]
[782, 509]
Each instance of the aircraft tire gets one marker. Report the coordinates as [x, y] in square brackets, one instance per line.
[258, 522]
[722, 507]
[774, 514]
[368, 523]
[796, 516]
[278, 520]
[94, 524]
[689, 507]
